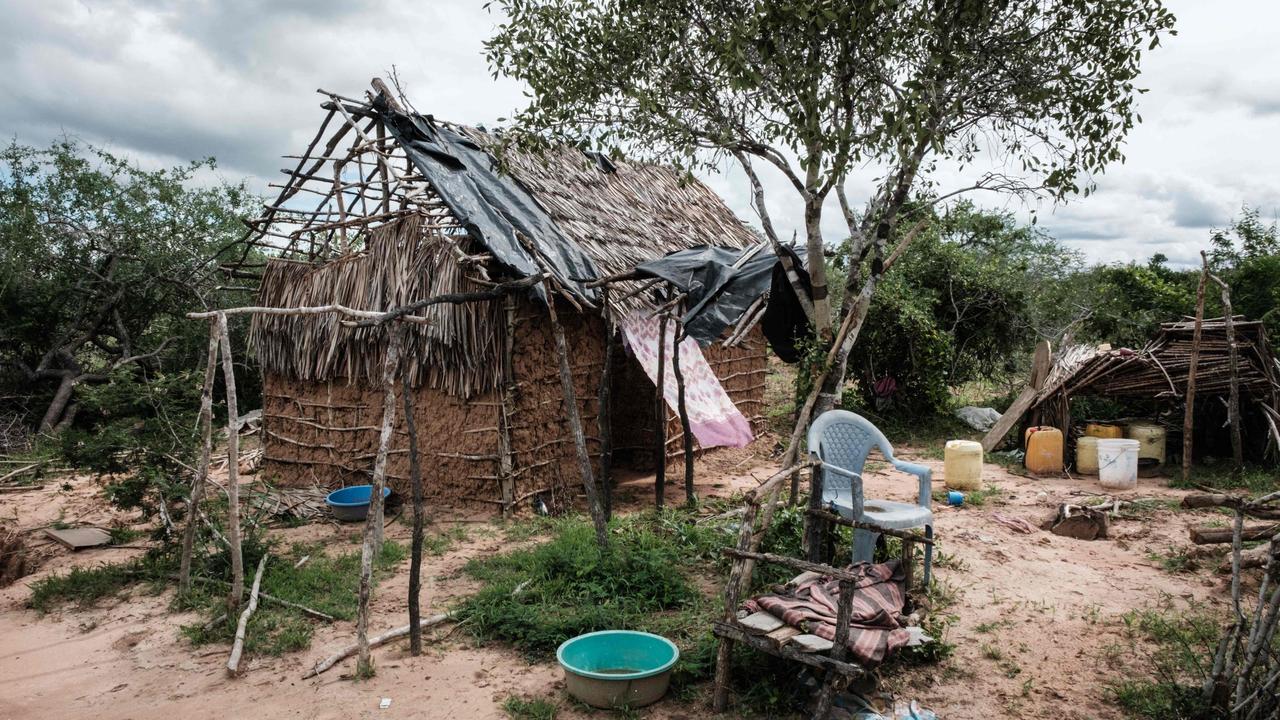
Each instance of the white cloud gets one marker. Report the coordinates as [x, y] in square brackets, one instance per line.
[169, 80]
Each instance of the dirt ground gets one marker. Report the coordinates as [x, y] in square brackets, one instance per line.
[1037, 617]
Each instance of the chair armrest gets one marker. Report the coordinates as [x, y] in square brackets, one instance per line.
[828, 467]
[926, 479]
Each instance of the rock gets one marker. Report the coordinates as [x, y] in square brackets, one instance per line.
[1081, 523]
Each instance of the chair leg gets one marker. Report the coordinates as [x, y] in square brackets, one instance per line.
[928, 556]
[864, 545]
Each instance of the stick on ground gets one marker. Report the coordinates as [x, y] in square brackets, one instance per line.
[374, 642]
[237, 647]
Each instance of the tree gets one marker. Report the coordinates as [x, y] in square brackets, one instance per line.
[99, 260]
[1043, 91]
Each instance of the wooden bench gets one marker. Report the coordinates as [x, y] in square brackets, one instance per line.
[781, 640]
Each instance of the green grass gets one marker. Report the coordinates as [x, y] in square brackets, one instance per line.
[86, 587]
[1179, 645]
[518, 708]
[325, 583]
[1221, 475]
[1174, 560]
[974, 498]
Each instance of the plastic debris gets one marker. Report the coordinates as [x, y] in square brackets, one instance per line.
[979, 418]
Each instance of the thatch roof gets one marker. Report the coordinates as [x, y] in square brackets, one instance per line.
[1161, 369]
[384, 235]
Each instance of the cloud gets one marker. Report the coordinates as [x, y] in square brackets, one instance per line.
[166, 81]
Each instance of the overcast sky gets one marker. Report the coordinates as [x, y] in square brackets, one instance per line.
[164, 81]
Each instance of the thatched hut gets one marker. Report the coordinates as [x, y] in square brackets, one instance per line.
[1158, 373]
[408, 207]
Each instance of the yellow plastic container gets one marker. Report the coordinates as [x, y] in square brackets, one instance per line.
[962, 465]
[1150, 439]
[1103, 430]
[1044, 450]
[1087, 455]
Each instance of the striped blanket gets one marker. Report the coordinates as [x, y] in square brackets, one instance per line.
[811, 606]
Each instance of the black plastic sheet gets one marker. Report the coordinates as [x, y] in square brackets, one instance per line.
[491, 206]
[721, 287]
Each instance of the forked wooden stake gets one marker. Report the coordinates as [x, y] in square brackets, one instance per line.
[233, 469]
[373, 523]
[1188, 418]
[202, 470]
[415, 479]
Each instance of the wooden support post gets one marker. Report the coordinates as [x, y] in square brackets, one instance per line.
[1233, 355]
[844, 614]
[415, 479]
[237, 647]
[233, 469]
[739, 577]
[202, 469]
[690, 495]
[506, 402]
[604, 408]
[660, 419]
[575, 423]
[1188, 418]
[816, 529]
[373, 522]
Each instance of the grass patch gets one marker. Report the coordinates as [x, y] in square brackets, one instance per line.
[1180, 645]
[1222, 475]
[1174, 560]
[85, 587]
[518, 708]
[974, 498]
[325, 583]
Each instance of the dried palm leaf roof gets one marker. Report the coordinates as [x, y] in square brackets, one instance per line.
[1161, 369]
[396, 221]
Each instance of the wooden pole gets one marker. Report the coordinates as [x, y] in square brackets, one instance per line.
[506, 403]
[233, 469]
[1188, 417]
[1233, 398]
[373, 523]
[237, 647]
[202, 469]
[690, 495]
[575, 423]
[604, 412]
[415, 479]
[660, 419]
[374, 642]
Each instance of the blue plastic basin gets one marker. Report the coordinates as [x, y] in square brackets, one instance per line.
[351, 504]
[618, 668]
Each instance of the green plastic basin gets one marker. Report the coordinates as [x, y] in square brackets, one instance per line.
[617, 668]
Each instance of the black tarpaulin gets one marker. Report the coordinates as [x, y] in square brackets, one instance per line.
[722, 283]
[493, 207]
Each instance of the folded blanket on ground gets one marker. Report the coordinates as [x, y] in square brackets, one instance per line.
[811, 606]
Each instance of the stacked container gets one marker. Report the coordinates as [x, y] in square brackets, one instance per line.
[1087, 455]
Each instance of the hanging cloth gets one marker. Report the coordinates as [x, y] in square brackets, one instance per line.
[713, 418]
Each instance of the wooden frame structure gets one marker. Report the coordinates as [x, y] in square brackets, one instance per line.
[758, 512]
[357, 225]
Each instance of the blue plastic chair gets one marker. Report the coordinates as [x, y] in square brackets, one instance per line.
[842, 440]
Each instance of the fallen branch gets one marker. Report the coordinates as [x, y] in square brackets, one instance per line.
[1213, 535]
[21, 470]
[237, 647]
[374, 642]
[272, 598]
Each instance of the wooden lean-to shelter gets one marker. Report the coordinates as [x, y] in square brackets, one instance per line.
[387, 208]
[1160, 371]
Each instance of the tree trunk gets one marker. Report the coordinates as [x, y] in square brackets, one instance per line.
[415, 554]
[52, 414]
[817, 266]
[202, 469]
[373, 523]
[233, 469]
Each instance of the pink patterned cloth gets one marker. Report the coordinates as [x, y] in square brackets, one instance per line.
[874, 630]
[713, 418]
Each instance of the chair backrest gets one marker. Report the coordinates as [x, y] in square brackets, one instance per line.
[844, 439]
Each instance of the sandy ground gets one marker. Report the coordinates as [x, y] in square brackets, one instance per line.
[1049, 605]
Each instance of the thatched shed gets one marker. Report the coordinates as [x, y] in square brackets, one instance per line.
[392, 207]
[1158, 373]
